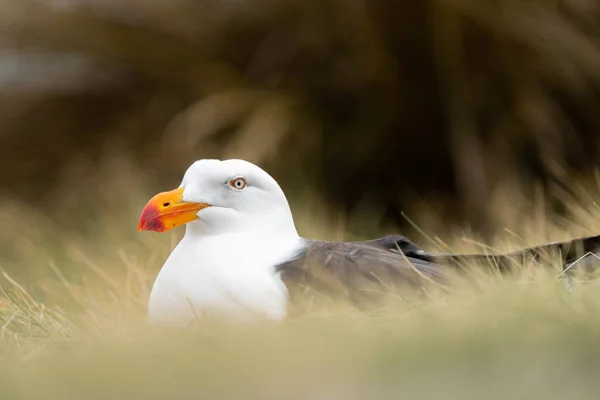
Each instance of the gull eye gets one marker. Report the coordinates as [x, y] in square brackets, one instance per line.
[238, 183]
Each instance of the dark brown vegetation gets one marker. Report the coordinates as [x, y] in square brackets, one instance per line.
[369, 101]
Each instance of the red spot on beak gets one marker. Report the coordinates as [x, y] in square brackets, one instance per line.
[150, 219]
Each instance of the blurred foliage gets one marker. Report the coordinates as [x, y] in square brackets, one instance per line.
[379, 102]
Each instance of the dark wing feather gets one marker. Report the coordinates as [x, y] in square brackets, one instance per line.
[580, 254]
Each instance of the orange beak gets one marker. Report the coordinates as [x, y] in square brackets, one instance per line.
[166, 211]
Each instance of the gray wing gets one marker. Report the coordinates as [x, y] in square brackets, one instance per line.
[360, 271]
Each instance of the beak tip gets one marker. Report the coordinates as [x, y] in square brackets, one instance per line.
[149, 220]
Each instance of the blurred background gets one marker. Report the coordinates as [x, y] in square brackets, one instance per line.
[380, 105]
[476, 119]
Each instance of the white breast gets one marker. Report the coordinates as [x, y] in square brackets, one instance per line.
[229, 277]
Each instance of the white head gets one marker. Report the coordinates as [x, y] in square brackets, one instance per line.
[219, 197]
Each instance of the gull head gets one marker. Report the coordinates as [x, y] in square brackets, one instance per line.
[220, 197]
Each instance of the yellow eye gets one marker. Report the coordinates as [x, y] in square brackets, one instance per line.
[238, 183]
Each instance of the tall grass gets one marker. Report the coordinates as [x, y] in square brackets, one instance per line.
[76, 279]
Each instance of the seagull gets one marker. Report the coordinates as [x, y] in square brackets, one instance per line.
[242, 260]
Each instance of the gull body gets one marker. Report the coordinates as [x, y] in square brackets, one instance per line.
[241, 258]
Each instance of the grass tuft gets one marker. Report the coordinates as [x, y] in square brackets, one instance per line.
[73, 303]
